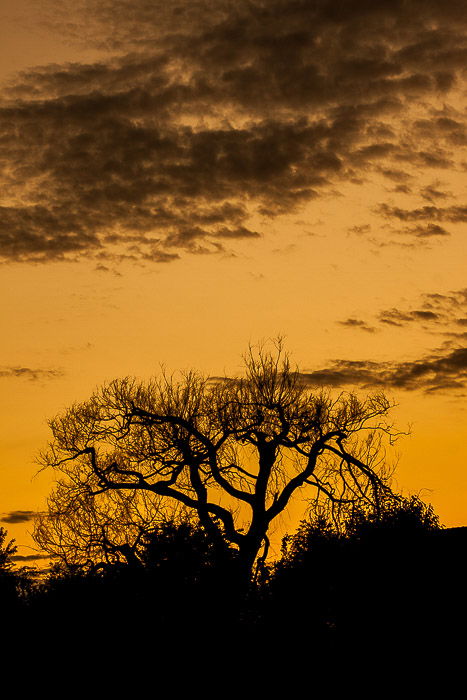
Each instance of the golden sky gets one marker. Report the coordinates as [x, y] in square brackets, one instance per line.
[179, 181]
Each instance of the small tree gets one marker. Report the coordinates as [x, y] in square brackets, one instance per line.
[9, 579]
[7, 551]
[232, 452]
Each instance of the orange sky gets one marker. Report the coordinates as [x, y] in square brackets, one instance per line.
[179, 182]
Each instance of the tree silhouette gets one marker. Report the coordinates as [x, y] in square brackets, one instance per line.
[7, 550]
[9, 579]
[231, 452]
[179, 580]
[373, 576]
[83, 530]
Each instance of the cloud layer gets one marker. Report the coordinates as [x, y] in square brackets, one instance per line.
[441, 315]
[445, 370]
[209, 112]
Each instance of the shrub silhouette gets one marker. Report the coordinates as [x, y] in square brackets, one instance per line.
[366, 579]
[388, 580]
[179, 582]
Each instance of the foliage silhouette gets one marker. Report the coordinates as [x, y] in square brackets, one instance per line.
[7, 551]
[12, 582]
[179, 585]
[374, 576]
[387, 580]
[231, 452]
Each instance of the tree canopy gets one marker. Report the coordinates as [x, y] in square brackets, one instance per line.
[229, 452]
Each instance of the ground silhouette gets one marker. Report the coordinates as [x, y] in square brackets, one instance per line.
[392, 581]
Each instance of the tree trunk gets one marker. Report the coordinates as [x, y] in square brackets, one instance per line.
[247, 556]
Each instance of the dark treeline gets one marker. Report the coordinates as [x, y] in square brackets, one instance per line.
[396, 578]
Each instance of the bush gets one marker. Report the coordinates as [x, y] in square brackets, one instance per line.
[365, 578]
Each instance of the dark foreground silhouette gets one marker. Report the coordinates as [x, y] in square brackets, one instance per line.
[393, 582]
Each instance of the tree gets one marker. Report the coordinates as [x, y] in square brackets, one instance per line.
[229, 452]
[96, 531]
[7, 551]
[398, 520]
[9, 579]
[371, 574]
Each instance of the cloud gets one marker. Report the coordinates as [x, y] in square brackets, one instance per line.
[240, 232]
[454, 214]
[398, 176]
[29, 557]
[357, 323]
[18, 516]
[28, 373]
[359, 229]
[394, 317]
[448, 130]
[427, 231]
[445, 370]
[207, 114]
[438, 313]
[442, 310]
[432, 193]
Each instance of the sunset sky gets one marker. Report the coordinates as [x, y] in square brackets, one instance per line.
[180, 179]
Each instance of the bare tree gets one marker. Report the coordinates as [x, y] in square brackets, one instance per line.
[233, 452]
[85, 529]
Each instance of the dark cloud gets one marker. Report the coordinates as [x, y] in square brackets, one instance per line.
[394, 317]
[29, 557]
[28, 373]
[208, 113]
[104, 268]
[439, 313]
[432, 193]
[402, 189]
[18, 516]
[240, 232]
[443, 371]
[451, 311]
[454, 214]
[395, 175]
[357, 323]
[359, 229]
[452, 300]
[448, 130]
[427, 231]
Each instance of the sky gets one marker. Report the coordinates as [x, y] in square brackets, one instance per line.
[179, 180]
